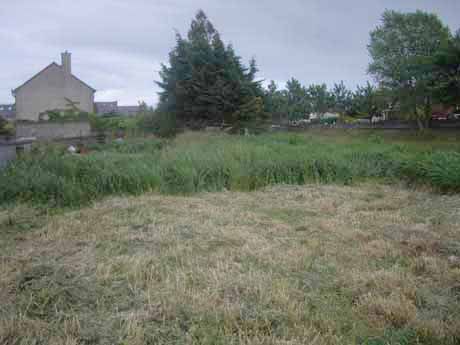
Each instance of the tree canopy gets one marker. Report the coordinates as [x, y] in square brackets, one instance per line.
[206, 80]
[403, 51]
[447, 69]
[415, 63]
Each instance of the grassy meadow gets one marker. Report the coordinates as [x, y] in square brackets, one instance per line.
[204, 162]
[317, 238]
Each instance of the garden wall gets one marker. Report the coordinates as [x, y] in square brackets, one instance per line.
[53, 130]
[7, 153]
[11, 148]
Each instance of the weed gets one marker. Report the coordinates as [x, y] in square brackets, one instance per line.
[215, 163]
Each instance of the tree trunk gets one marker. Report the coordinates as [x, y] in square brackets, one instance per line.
[428, 111]
[424, 119]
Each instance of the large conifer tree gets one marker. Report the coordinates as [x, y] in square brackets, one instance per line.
[206, 80]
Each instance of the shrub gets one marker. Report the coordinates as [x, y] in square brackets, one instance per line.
[113, 123]
[6, 128]
[163, 124]
[442, 169]
[64, 115]
[131, 146]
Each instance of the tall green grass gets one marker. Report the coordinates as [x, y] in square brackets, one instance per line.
[65, 180]
[212, 163]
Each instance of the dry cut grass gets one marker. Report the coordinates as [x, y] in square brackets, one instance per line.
[286, 265]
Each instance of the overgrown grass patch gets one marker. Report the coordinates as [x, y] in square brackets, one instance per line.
[198, 162]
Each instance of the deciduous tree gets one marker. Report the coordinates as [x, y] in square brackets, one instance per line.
[447, 64]
[403, 51]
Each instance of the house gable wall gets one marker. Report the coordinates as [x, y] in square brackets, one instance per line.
[48, 91]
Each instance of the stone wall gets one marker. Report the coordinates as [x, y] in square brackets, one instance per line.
[7, 153]
[53, 130]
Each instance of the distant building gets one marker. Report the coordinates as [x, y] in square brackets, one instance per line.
[53, 88]
[106, 108]
[326, 115]
[112, 108]
[7, 111]
[128, 110]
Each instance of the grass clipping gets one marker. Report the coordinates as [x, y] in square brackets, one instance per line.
[284, 265]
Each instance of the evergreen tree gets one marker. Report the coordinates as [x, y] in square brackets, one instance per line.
[298, 100]
[275, 102]
[368, 100]
[343, 98]
[321, 99]
[206, 80]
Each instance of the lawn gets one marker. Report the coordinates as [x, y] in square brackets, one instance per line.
[246, 257]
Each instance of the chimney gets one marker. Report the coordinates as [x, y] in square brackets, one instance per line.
[66, 58]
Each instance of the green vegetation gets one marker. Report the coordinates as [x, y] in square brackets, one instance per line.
[404, 51]
[206, 81]
[145, 121]
[6, 127]
[415, 61]
[115, 123]
[303, 258]
[160, 123]
[65, 115]
[297, 101]
[197, 162]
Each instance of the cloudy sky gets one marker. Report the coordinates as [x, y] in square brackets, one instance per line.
[117, 45]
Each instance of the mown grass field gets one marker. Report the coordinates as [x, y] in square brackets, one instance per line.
[338, 258]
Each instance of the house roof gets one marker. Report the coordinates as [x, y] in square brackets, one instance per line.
[42, 71]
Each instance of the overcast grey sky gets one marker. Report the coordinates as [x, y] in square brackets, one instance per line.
[117, 45]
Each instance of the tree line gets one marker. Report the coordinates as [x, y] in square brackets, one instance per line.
[296, 101]
[415, 66]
